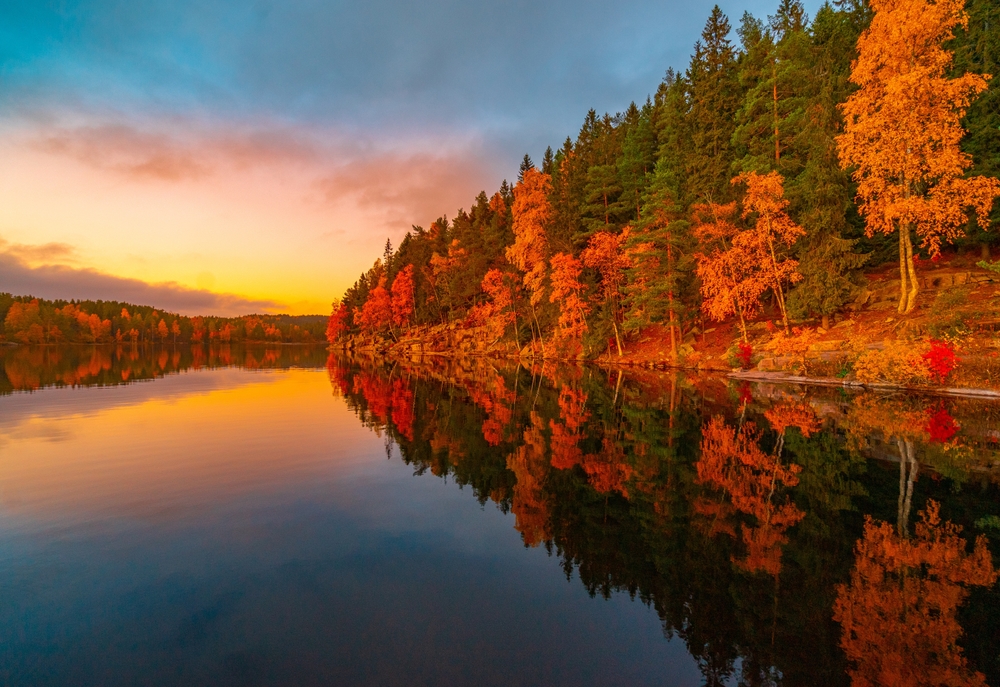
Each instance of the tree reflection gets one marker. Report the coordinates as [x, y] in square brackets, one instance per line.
[530, 466]
[30, 368]
[898, 611]
[733, 462]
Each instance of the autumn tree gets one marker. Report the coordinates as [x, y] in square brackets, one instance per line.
[402, 297]
[729, 277]
[529, 252]
[605, 252]
[732, 460]
[903, 130]
[772, 231]
[566, 291]
[376, 314]
[336, 325]
[443, 270]
[530, 466]
[500, 311]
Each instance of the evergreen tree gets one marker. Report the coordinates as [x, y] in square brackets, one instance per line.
[636, 164]
[659, 278]
[714, 99]
[821, 193]
[526, 164]
[548, 161]
[977, 50]
[672, 135]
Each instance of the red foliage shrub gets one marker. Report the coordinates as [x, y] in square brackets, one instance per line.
[744, 355]
[940, 360]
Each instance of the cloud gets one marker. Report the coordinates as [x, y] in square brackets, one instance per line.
[401, 183]
[125, 151]
[64, 282]
[46, 252]
[406, 189]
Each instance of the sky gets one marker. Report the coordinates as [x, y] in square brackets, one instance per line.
[226, 157]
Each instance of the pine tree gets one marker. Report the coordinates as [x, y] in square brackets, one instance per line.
[637, 163]
[660, 267]
[714, 99]
[526, 164]
[548, 161]
[820, 193]
[673, 138]
[774, 70]
[977, 50]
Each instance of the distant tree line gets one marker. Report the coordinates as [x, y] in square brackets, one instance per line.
[30, 320]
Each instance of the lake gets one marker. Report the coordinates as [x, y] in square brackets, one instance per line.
[284, 516]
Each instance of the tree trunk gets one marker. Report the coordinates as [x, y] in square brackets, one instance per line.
[985, 251]
[670, 301]
[743, 324]
[541, 341]
[774, 83]
[911, 297]
[908, 467]
[618, 342]
[826, 322]
[902, 270]
[778, 291]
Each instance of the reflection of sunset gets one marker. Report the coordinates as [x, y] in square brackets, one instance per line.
[135, 460]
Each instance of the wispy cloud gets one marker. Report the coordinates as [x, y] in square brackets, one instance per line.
[124, 150]
[53, 252]
[406, 189]
[53, 281]
[399, 184]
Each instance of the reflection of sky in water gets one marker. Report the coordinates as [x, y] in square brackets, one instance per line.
[233, 528]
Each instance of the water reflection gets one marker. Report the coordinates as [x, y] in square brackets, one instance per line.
[29, 368]
[736, 511]
[781, 535]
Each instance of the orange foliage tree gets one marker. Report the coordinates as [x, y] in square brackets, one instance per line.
[529, 466]
[566, 290]
[605, 252]
[728, 276]
[609, 470]
[898, 612]
[903, 128]
[501, 309]
[530, 250]
[772, 231]
[197, 329]
[376, 314]
[566, 435]
[402, 297]
[443, 269]
[337, 324]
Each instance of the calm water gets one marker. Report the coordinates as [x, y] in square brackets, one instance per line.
[274, 516]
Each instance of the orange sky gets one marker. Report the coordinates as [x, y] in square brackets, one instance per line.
[267, 216]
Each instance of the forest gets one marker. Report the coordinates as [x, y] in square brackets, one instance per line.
[28, 320]
[792, 156]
